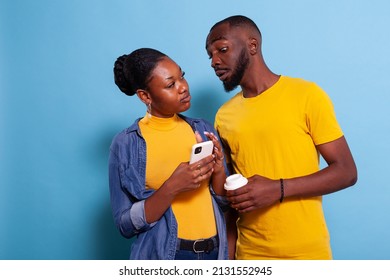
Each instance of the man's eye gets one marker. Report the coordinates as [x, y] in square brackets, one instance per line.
[223, 50]
[182, 74]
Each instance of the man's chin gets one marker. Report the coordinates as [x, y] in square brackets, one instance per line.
[229, 87]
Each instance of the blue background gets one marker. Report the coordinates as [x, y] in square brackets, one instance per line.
[60, 108]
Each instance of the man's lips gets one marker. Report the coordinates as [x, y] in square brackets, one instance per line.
[221, 73]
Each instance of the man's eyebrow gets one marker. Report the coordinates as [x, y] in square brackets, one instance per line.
[214, 40]
[218, 38]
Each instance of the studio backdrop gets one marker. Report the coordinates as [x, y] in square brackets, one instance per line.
[60, 108]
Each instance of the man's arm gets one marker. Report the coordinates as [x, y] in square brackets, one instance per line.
[340, 173]
[231, 217]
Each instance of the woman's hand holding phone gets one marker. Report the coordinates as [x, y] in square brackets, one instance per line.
[206, 158]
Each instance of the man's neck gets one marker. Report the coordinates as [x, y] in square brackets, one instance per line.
[258, 82]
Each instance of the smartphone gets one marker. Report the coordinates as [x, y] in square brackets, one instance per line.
[201, 150]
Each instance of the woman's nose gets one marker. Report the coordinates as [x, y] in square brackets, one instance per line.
[183, 86]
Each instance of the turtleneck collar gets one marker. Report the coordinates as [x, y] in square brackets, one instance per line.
[162, 124]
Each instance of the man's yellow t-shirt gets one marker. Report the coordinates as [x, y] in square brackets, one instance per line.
[275, 135]
[168, 143]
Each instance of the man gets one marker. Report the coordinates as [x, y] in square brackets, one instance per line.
[273, 132]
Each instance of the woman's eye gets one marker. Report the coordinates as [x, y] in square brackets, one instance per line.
[171, 85]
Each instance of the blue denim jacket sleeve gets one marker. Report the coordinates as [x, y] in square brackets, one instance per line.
[127, 191]
[137, 216]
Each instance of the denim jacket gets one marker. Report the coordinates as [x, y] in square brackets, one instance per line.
[127, 168]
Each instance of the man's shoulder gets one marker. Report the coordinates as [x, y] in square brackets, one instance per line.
[301, 86]
[297, 81]
[235, 98]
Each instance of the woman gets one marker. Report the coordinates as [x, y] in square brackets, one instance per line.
[156, 195]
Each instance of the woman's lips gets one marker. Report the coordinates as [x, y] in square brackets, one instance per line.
[186, 99]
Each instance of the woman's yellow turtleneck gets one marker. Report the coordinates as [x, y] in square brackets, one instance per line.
[168, 143]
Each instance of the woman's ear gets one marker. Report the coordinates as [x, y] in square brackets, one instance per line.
[144, 96]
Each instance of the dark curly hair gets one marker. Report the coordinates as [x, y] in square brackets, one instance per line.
[133, 71]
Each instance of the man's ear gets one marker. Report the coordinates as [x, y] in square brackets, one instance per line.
[144, 96]
[253, 45]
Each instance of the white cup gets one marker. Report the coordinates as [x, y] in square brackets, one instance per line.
[235, 181]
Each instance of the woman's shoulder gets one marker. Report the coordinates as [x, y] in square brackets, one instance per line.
[194, 119]
[199, 124]
[126, 135]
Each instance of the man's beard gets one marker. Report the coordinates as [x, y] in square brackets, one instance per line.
[235, 79]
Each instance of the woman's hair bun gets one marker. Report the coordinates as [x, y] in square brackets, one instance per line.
[133, 71]
[120, 77]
